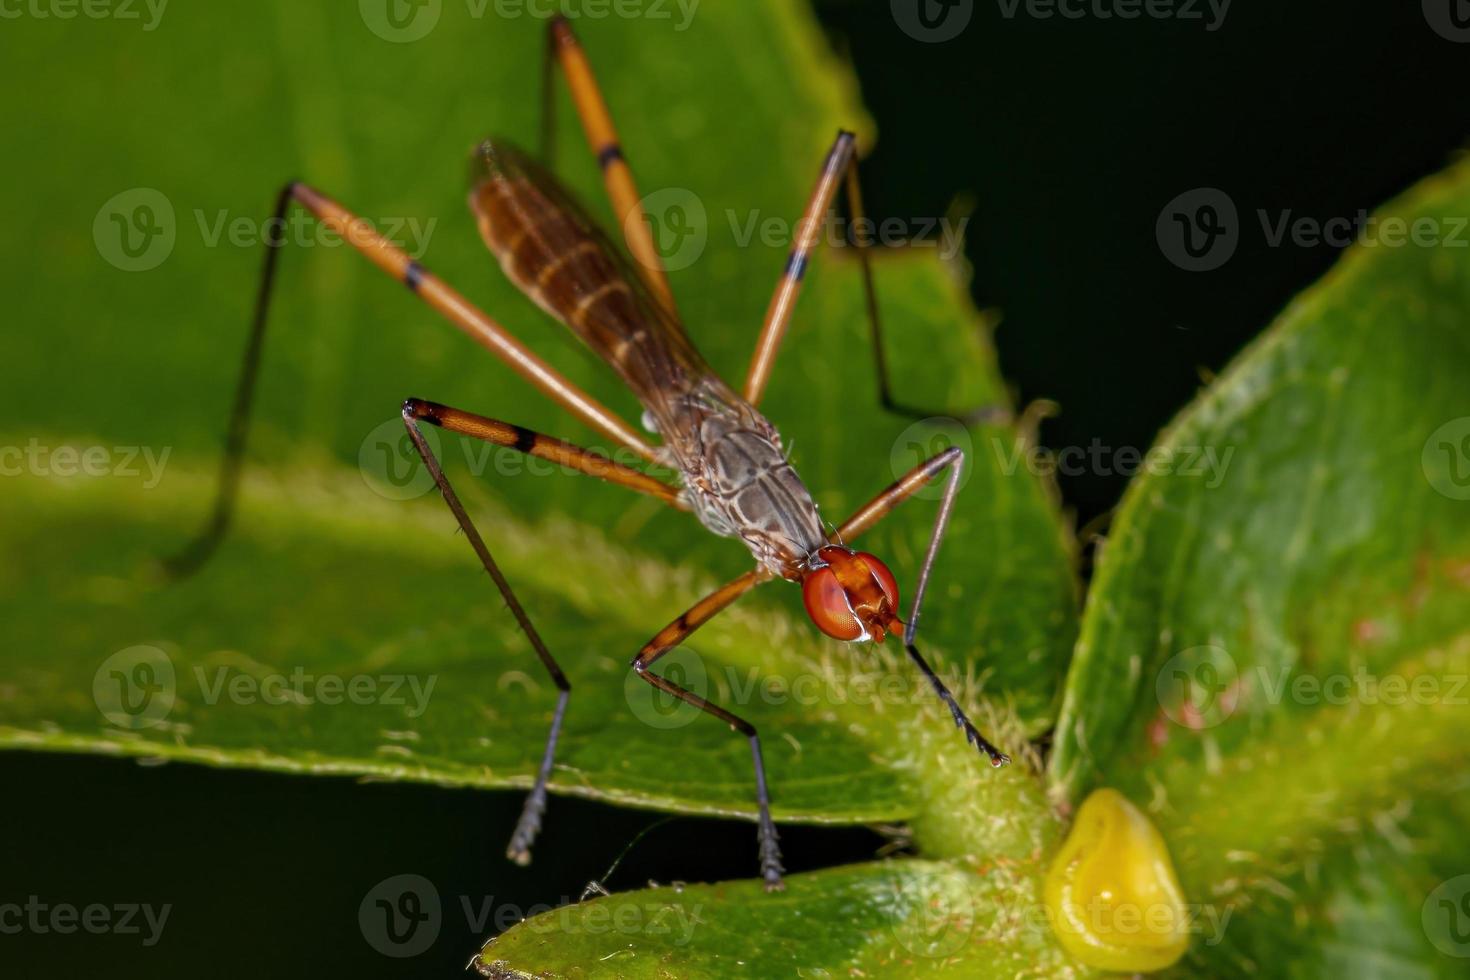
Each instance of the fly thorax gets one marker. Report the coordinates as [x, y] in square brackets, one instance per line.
[743, 486]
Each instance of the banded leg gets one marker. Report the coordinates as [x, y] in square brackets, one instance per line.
[840, 162]
[564, 453]
[670, 637]
[434, 291]
[602, 138]
[952, 459]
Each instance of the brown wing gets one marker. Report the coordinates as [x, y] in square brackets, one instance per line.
[549, 247]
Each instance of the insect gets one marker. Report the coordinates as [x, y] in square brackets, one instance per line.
[734, 475]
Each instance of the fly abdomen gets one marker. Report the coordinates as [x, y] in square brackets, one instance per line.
[552, 250]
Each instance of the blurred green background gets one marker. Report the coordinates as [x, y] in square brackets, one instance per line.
[1065, 137]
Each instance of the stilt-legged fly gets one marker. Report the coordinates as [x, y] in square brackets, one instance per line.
[733, 473]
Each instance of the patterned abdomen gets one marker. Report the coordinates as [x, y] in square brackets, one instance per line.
[552, 250]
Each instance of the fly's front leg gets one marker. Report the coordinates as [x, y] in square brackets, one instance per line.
[953, 460]
[564, 51]
[838, 167]
[670, 637]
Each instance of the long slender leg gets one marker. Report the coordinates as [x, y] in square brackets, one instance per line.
[433, 291]
[880, 507]
[670, 637]
[808, 232]
[602, 138]
[863, 244]
[533, 444]
[841, 160]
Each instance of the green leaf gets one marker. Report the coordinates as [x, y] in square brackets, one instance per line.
[325, 583]
[324, 577]
[897, 918]
[1274, 655]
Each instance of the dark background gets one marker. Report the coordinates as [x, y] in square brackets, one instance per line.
[1069, 136]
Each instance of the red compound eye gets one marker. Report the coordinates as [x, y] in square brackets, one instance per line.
[831, 606]
[827, 605]
[884, 576]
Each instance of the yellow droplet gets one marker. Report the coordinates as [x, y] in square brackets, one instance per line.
[1113, 898]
